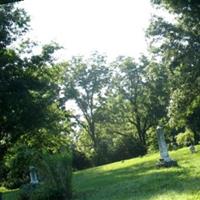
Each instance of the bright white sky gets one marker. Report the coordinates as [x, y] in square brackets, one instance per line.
[114, 27]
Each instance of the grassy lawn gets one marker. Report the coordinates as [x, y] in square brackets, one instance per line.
[138, 179]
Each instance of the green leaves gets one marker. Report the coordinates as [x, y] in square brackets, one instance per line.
[86, 82]
[13, 23]
[8, 1]
[186, 138]
[177, 44]
[29, 88]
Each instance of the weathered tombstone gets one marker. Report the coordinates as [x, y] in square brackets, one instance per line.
[33, 175]
[165, 160]
[192, 148]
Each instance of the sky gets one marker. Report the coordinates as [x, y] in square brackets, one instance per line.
[113, 27]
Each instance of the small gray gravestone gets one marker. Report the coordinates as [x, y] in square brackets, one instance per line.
[192, 148]
[33, 175]
[165, 160]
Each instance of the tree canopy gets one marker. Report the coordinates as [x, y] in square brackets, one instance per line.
[29, 88]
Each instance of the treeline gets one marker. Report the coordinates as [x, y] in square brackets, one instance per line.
[118, 104]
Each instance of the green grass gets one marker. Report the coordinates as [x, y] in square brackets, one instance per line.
[138, 179]
[8, 194]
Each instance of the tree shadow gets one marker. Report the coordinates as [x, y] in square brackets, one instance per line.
[140, 182]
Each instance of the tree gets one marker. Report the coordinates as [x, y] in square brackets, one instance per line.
[29, 87]
[8, 1]
[144, 92]
[178, 45]
[12, 21]
[86, 82]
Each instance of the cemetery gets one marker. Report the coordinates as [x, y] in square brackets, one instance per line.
[138, 179]
[99, 100]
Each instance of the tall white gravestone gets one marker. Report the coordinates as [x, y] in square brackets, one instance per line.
[162, 145]
[165, 160]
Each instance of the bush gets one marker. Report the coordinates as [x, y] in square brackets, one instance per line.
[17, 163]
[3, 172]
[186, 138]
[128, 147]
[41, 192]
[56, 174]
[26, 192]
[29, 150]
[80, 161]
[152, 142]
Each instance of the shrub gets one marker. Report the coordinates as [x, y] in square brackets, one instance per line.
[25, 192]
[80, 161]
[29, 150]
[56, 174]
[127, 147]
[17, 163]
[186, 138]
[41, 192]
[152, 140]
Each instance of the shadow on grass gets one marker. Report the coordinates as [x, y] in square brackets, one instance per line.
[10, 195]
[139, 181]
[98, 178]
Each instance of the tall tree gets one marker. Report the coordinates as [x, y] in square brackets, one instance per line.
[144, 95]
[178, 44]
[85, 83]
[14, 23]
[31, 118]
[29, 86]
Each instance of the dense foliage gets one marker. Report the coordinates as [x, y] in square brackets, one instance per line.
[56, 179]
[177, 43]
[161, 89]
[31, 117]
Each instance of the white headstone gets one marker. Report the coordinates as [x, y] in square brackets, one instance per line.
[33, 175]
[162, 145]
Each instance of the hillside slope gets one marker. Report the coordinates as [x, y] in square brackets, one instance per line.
[138, 179]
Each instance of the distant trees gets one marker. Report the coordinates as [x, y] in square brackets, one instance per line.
[86, 82]
[118, 104]
[144, 95]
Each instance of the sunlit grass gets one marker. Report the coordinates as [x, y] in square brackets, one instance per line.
[139, 179]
